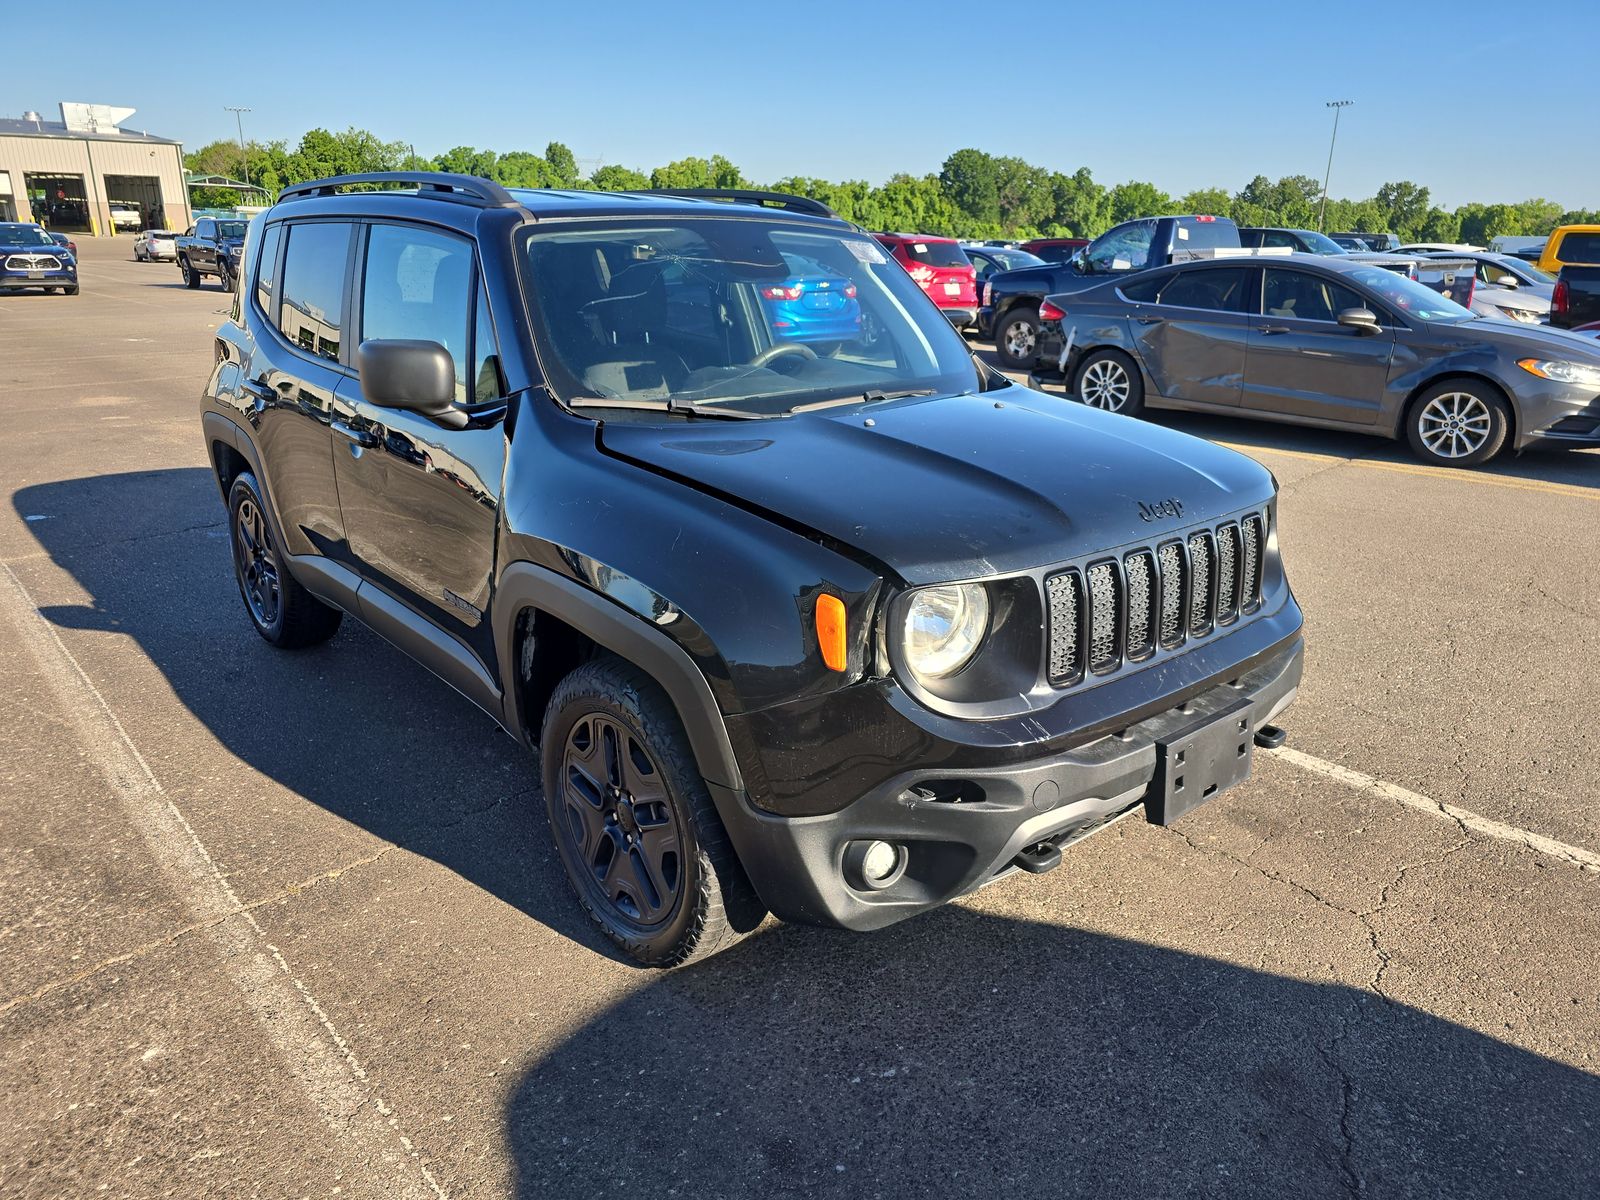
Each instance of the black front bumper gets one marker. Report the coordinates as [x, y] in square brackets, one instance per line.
[961, 828]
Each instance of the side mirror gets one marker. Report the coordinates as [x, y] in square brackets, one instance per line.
[1362, 320]
[1507, 281]
[415, 376]
[1080, 263]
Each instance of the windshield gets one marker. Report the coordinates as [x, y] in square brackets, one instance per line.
[1319, 243]
[1410, 297]
[230, 229]
[1524, 271]
[1012, 260]
[733, 314]
[24, 235]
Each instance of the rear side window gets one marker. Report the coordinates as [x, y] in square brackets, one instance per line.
[312, 313]
[1220, 290]
[267, 267]
[1579, 248]
[1144, 291]
[935, 254]
[418, 285]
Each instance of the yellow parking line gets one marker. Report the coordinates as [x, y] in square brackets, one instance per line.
[1453, 473]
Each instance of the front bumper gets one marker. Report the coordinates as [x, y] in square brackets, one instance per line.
[16, 280]
[964, 825]
[1557, 415]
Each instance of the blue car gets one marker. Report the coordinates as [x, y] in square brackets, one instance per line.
[30, 259]
[813, 305]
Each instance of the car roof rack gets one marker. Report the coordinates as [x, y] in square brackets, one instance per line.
[783, 200]
[434, 185]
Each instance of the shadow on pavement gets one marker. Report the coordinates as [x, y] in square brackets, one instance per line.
[962, 1054]
[354, 726]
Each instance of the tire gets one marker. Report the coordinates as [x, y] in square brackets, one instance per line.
[1458, 423]
[191, 277]
[282, 611]
[1112, 381]
[619, 777]
[225, 277]
[70, 291]
[1016, 338]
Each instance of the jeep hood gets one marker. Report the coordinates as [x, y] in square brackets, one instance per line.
[955, 487]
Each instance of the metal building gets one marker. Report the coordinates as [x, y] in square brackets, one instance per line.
[87, 174]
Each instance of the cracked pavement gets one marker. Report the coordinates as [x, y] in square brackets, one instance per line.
[1304, 988]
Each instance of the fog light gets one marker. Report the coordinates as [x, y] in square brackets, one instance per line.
[873, 866]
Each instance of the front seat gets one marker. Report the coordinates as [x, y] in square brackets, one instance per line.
[630, 317]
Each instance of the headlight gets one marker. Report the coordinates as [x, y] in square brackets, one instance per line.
[1561, 372]
[1526, 315]
[944, 626]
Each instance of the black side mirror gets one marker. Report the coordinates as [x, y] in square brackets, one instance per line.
[416, 376]
[1362, 320]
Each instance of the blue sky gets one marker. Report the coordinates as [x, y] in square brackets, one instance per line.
[1476, 101]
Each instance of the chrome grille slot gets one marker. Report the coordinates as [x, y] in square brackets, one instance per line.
[1104, 608]
[1200, 583]
[1065, 594]
[1251, 535]
[1140, 567]
[1171, 594]
[1227, 573]
[33, 262]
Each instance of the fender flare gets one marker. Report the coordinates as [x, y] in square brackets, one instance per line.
[525, 585]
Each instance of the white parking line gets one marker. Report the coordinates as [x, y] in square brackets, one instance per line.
[315, 1052]
[1437, 808]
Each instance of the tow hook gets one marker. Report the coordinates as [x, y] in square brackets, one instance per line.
[1270, 737]
[1038, 858]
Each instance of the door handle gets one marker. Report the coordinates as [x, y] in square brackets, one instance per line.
[1273, 329]
[1149, 320]
[257, 391]
[360, 437]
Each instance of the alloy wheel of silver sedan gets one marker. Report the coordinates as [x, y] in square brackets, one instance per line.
[1454, 424]
[1105, 384]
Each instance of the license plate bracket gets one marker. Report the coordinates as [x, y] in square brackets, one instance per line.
[1199, 761]
[35, 273]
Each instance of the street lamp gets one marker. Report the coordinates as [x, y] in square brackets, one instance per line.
[1336, 105]
[244, 155]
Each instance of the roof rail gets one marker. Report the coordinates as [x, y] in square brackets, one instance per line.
[800, 204]
[436, 185]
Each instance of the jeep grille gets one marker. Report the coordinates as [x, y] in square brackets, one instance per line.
[1156, 598]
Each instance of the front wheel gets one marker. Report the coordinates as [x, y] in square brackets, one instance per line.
[191, 277]
[1016, 339]
[1458, 423]
[643, 847]
[225, 276]
[1109, 379]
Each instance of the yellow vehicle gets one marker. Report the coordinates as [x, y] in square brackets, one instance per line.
[1570, 244]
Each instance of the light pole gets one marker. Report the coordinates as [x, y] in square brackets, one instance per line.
[1336, 105]
[244, 155]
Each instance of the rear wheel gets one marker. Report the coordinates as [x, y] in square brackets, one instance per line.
[643, 847]
[282, 611]
[1458, 423]
[1016, 339]
[1109, 379]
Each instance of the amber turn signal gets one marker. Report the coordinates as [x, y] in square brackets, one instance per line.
[830, 632]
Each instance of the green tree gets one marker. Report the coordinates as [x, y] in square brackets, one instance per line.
[1440, 226]
[561, 166]
[685, 173]
[1405, 207]
[1213, 201]
[971, 179]
[1026, 199]
[1082, 206]
[1137, 199]
[466, 160]
[613, 178]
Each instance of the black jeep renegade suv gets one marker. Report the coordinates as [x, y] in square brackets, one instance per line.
[840, 629]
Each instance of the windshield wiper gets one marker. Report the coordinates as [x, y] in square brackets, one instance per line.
[870, 396]
[672, 404]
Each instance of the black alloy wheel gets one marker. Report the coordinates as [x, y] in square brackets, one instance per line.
[282, 611]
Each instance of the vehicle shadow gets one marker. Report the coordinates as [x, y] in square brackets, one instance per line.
[354, 726]
[963, 1054]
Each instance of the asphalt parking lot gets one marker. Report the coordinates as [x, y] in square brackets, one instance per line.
[289, 925]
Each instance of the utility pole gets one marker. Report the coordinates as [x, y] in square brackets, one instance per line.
[244, 155]
[1336, 105]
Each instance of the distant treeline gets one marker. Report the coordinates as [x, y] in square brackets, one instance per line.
[976, 195]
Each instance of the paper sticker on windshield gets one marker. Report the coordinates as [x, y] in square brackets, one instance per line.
[867, 252]
[1183, 234]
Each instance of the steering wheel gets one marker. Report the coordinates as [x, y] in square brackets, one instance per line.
[778, 351]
